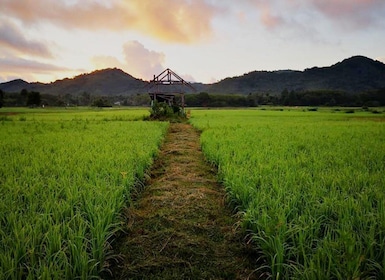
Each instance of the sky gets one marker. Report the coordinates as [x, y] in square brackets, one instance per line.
[201, 40]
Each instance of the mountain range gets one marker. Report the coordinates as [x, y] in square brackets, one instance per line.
[352, 75]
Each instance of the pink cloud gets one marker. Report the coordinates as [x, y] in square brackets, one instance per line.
[13, 39]
[344, 7]
[143, 61]
[353, 13]
[15, 64]
[15, 67]
[138, 61]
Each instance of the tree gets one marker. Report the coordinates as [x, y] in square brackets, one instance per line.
[85, 99]
[1, 98]
[203, 99]
[23, 97]
[33, 98]
[101, 102]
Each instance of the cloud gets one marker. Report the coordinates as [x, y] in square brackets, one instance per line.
[269, 19]
[142, 61]
[336, 8]
[105, 61]
[21, 64]
[181, 21]
[269, 13]
[15, 67]
[13, 39]
[138, 61]
[352, 13]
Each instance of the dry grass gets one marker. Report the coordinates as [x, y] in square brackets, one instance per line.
[180, 227]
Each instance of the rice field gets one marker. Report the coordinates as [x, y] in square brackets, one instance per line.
[310, 186]
[65, 176]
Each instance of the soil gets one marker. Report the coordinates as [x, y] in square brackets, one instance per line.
[181, 226]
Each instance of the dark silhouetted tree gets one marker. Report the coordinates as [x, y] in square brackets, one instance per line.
[33, 98]
[1, 98]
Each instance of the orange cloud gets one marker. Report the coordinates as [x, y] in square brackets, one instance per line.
[268, 18]
[268, 14]
[105, 61]
[181, 21]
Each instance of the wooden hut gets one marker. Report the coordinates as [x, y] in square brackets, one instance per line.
[166, 86]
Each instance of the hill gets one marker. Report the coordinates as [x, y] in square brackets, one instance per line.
[14, 85]
[352, 75]
[111, 81]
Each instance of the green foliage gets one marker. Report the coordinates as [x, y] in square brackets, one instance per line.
[101, 102]
[33, 99]
[1, 98]
[163, 111]
[309, 185]
[203, 99]
[312, 109]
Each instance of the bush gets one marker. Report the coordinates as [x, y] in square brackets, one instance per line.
[163, 111]
[375, 111]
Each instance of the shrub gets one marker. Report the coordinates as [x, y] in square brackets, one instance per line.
[163, 111]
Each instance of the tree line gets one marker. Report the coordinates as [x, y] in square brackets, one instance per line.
[24, 98]
[289, 98]
[373, 98]
[34, 99]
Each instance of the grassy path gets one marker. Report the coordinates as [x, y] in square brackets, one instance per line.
[180, 227]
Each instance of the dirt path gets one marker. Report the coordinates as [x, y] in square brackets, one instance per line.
[180, 227]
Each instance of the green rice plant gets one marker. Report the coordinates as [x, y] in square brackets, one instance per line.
[62, 190]
[309, 185]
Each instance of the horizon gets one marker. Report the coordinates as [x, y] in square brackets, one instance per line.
[203, 41]
[112, 68]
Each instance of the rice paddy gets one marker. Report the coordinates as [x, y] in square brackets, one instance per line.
[65, 177]
[310, 186]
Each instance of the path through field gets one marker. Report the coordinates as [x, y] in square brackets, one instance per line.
[180, 226]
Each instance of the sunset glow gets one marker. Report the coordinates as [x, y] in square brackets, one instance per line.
[203, 40]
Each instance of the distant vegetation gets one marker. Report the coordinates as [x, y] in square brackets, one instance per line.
[1, 98]
[27, 98]
[374, 98]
